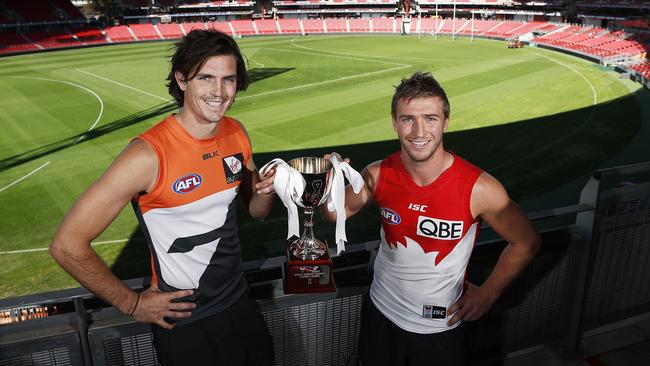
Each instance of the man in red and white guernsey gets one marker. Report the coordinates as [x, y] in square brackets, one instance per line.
[182, 177]
[431, 203]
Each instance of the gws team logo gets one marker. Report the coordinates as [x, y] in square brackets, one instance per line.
[232, 167]
[439, 229]
[389, 216]
[187, 183]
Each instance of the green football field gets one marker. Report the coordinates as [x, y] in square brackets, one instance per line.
[533, 118]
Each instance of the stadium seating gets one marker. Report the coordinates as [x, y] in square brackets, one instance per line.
[383, 25]
[266, 26]
[290, 26]
[31, 11]
[119, 33]
[222, 27]
[170, 31]
[313, 26]
[66, 6]
[89, 35]
[11, 42]
[54, 39]
[336, 25]
[144, 32]
[359, 25]
[642, 68]
[453, 25]
[480, 26]
[188, 27]
[243, 27]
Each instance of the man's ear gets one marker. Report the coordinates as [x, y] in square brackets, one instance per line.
[180, 79]
[446, 124]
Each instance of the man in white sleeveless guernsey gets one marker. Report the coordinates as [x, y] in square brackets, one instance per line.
[431, 203]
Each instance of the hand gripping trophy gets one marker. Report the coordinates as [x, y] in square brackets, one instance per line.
[310, 182]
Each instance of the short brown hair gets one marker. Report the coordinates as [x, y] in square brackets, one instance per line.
[193, 50]
[420, 84]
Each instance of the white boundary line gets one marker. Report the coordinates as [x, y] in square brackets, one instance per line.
[21, 251]
[558, 141]
[101, 102]
[324, 82]
[123, 85]
[24, 177]
[375, 56]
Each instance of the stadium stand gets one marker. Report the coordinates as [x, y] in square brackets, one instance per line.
[243, 27]
[188, 27]
[119, 33]
[359, 25]
[65, 6]
[453, 25]
[89, 35]
[383, 25]
[222, 27]
[480, 26]
[53, 39]
[313, 26]
[336, 25]
[11, 42]
[170, 31]
[266, 26]
[144, 32]
[31, 11]
[290, 26]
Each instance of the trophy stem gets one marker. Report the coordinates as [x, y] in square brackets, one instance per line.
[308, 247]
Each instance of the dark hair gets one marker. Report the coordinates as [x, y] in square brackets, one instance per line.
[193, 50]
[420, 84]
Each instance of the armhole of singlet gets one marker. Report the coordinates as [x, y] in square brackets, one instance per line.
[471, 182]
[380, 183]
[156, 190]
[243, 140]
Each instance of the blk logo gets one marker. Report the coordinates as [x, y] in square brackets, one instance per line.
[210, 155]
[439, 229]
[187, 183]
[389, 216]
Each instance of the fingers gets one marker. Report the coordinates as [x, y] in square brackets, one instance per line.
[338, 156]
[265, 186]
[155, 306]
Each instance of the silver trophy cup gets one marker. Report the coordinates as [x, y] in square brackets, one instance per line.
[317, 175]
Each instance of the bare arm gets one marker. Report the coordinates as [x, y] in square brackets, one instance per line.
[491, 202]
[133, 171]
[355, 202]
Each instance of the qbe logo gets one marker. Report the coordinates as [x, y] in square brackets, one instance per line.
[389, 216]
[187, 183]
[439, 229]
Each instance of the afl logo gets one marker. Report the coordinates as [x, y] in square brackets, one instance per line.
[389, 216]
[187, 183]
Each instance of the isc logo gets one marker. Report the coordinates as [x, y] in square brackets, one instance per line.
[390, 217]
[187, 183]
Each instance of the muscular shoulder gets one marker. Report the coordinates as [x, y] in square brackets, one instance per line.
[488, 196]
[136, 166]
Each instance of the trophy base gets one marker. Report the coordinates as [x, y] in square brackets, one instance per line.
[308, 275]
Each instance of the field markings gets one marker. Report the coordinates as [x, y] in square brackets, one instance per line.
[101, 102]
[24, 177]
[318, 83]
[570, 134]
[124, 85]
[378, 56]
[32, 250]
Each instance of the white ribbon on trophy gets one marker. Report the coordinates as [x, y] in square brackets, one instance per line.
[290, 184]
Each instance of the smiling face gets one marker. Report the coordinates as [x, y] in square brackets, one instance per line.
[211, 92]
[420, 123]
